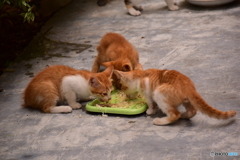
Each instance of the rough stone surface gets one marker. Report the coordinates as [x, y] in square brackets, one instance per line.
[202, 43]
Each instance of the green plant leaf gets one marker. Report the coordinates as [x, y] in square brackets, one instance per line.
[23, 5]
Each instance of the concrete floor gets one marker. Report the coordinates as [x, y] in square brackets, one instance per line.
[202, 43]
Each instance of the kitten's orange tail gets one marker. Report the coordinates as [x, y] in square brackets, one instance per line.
[198, 103]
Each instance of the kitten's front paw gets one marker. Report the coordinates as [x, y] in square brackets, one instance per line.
[88, 99]
[150, 111]
[173, 8]
[134, 12]
[67, 110]
[76, 106]
[91, 98]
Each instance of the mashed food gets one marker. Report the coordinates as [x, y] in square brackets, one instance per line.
[120, 100]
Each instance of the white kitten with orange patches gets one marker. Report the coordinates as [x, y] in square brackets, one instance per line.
[167, 89]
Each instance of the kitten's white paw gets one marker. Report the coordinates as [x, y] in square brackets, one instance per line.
[91, 98]
[173, 8]
[67, 110]
[61, 109]
[151, 111]
[76, 105]
[134, 12]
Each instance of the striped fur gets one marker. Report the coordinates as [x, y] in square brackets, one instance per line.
[166, 90]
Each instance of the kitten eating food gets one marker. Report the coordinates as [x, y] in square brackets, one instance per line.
[56, 84]
[167, 89]
[114, 50]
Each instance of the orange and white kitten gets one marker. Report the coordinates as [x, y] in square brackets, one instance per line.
[114, 50]
[167, 89]
[60, 83]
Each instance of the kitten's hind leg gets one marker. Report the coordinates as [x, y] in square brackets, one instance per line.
[51, 108]
[171, 5]
[60, 109]
[132, 10]
[172, 116]
[48, 98]
[170, 110]
[190, 111]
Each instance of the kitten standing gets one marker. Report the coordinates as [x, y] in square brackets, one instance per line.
[114, 50]
[167, 89]
[59, 83]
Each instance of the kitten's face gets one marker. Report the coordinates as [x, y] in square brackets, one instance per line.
[101, 85]
[128, 84]
[103, 92]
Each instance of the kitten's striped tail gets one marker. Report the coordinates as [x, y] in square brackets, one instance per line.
[198, 103]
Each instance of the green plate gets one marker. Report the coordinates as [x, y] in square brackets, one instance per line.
[137, 106]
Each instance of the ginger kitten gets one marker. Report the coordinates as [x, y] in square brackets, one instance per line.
[114, 50]
[58, 83]
[167, 89]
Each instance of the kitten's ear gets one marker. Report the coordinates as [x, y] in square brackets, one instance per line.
[118, 74]
[107, 64]
[93, 82]
[109, 71]
[139, 66]
[127, 67]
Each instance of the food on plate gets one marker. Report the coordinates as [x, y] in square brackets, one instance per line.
[120, 100]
